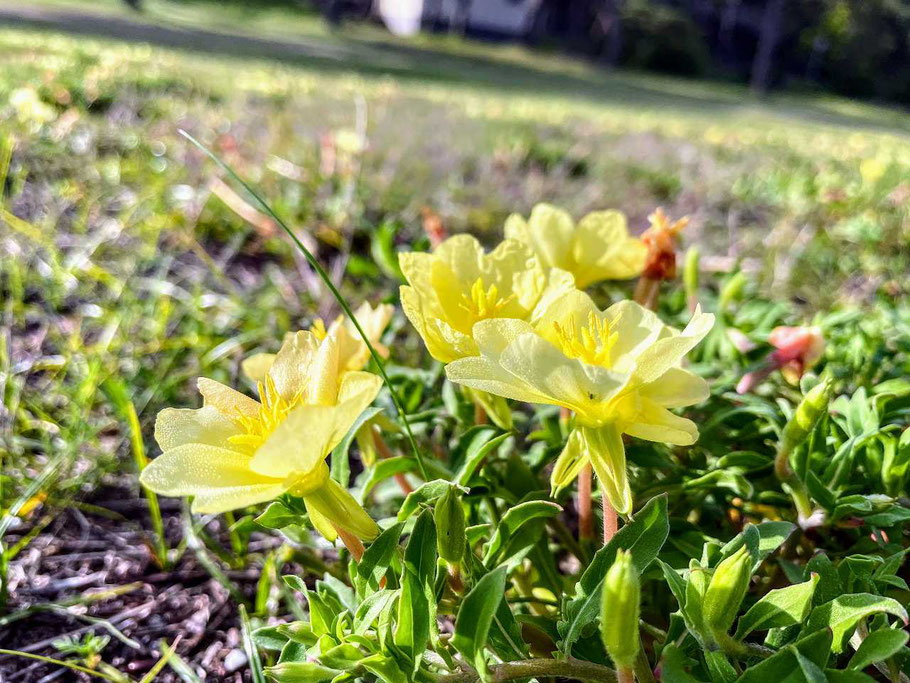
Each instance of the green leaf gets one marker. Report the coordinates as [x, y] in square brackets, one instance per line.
[675, 666]
[482, 441]
[378, 556]
[849, 676]
[269, 638]
[780, 607]
[643, 536]
[719, 667]
[513, 520]
[842, 614]
[423, 494]
[476, 616]
[371, 608]
[277, 516]
[416, 606]
[878, 646]
[385, 669]
[341, 467]
[801, 662]
[771, 536]
[301, 672]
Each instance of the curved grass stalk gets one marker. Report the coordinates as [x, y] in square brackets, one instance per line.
[59, 662]
[320, 271]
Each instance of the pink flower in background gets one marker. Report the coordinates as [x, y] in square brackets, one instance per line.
[796, 350]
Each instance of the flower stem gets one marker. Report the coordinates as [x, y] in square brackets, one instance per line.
[385, 452]
[480, 415]
[585, 518]
[647, 291]
[352, 543]
[611, 522]
[625, 676]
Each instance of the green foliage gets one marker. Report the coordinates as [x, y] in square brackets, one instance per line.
[124, 283]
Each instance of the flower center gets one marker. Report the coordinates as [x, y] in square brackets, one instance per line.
[484, 303]
[273, 409]
[591, 343]
[318, 329]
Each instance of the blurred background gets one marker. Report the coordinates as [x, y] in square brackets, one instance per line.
[130, 265]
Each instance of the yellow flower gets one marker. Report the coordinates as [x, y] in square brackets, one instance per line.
[618, 370]
[598, 248]
[459, 285]
[236, 451]
[353, 353]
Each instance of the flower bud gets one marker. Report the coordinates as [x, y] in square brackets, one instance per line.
[796, 350]
[619, 611]
[726, 591]
[809, 411]
[450, 525]
[690, 276]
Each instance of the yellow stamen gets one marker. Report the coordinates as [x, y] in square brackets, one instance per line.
[591, 343]
[273, 409]
[318, 329]
[484, 303]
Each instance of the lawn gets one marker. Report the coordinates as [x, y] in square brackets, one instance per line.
[131, 265]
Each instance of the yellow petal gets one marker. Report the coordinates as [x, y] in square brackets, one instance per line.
[603, 250]
[676, 388]
[645, 419]
[219, 478]
[340, 508]
[357, 392]
[298, 445]
[608, 456]
[637, 328]
[669, 351]
[291, 367]
[443, 342]
[549, 233]
[226, 400]
[322, 378]
[257, 366]
[176, 427]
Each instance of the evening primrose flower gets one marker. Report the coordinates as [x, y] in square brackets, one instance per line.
[598, 248]
[236, 451]
[353, 353]
[458, 285]
[618, 370]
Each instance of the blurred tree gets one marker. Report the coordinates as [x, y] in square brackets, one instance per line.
[767, 43]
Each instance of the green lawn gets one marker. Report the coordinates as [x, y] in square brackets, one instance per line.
[126, 271]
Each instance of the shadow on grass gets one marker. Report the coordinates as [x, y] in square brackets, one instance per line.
[341, 53]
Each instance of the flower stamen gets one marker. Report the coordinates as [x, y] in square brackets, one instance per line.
[592, 343]
[484, 303]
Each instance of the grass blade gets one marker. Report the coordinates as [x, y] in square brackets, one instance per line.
[249, 646]
[332, 288]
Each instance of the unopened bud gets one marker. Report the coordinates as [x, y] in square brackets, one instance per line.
[726, 591]
[809, 411]
[619, 611]
[690, 276]
[732, 290]
[450, 525]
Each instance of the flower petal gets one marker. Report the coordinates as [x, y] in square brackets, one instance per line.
[220, 479]
[669, 351]
[549, 233]
[176, 427]
[603, 249]
[676, 388]
[291, 368]
[443, 342]
[298, 445]
[225, 400]
[257, 366]
[653, 422]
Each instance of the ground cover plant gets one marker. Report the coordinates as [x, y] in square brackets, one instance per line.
[426, 509]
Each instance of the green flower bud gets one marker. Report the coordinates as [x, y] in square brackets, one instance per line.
[690, 274]
[619, 611]
[450, 524]
[726, 591]
[809, 411]
[732, 290]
